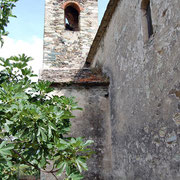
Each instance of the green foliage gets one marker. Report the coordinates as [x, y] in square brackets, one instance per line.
[34, 125]
[6, 7]
[24, 171]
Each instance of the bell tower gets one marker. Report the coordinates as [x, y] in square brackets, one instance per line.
[70, 27]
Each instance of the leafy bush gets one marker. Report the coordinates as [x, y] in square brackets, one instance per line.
[34, 125]
[6, 7]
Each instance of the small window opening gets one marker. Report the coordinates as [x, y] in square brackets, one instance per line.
[71, 18]
[146, 19]
[149, 20]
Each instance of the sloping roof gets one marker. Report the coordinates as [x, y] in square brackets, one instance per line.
[102, 29]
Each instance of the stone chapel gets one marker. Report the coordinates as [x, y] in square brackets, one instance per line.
[125, 74]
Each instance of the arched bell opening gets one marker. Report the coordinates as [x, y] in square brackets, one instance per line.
[71, 16]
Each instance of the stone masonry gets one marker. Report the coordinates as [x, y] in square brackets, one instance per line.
[64, 48]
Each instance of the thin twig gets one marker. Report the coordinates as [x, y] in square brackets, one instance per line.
[50, 171]
[26, 162]
[54, 176]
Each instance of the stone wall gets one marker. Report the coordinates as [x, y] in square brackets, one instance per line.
[144, 91]
[64, 48]
[91, 123]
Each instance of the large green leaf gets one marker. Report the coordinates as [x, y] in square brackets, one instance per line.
[61, 166]
[42, 162]
[76, 176]
[81, 164]
[5, 149]
[52, 126]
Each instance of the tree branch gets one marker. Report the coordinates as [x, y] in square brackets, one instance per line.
[54, 176]
[26, 162]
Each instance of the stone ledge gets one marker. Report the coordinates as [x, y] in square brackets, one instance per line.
[83, 76]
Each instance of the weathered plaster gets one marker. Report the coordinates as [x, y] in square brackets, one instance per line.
[91, 123]
[144, 90]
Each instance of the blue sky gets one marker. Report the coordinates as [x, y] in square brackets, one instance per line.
[30, 19]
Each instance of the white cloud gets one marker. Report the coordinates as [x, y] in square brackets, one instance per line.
[34, 49]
